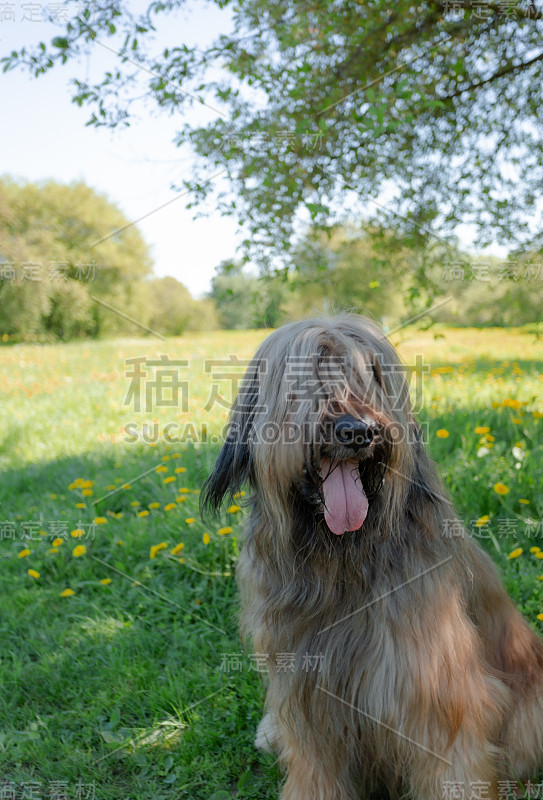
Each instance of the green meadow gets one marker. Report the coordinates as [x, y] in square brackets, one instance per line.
[123, 675]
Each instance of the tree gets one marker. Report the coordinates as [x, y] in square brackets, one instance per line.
[440, 102]
[515, 286]
[245, 301]
[66, 254]
[69, 315]
[346, 270]
[174, 310]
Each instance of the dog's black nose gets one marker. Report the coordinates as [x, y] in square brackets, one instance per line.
[353, 433]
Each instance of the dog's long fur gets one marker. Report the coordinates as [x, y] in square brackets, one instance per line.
[427, 673]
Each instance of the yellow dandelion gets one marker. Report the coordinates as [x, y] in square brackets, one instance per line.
[516, 421]
[510, 403]
[111, 487]
[105, 581]
[24, 553]
[206, 538]
[33, 573]
[165, 458]
[189, 520]
[177, 549]
[179, 469]
[224, 531]
[535, 549]
[126, 486]
[78, 551]
[169, 506]
[87, 484]
[180, 499]
[154, 505]
[233, 509]
[442, 433]
[53, 550]
[100, 520]
[77, 533]
[156, 548]
[515, 553]
[162, 469]
[57, 542]
[524, 501]
[482, 520]
[540, 577]
[67, 593]
[143, 513]
[490, 438]
[181, 560]
[80, 505]
[184, 490]
[135, 503]
[539, 555]
[501, 488]
[482, 429]
[540, 616]
[239, 494]
[87, 492]
[169, 479]
[53, 496]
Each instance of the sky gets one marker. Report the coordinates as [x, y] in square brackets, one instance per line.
[43, 135]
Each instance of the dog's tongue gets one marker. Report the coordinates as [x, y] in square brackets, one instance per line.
[346, 504]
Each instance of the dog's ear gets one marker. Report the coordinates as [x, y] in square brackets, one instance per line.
[233, 466]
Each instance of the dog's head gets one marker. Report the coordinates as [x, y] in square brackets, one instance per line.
[322, 415]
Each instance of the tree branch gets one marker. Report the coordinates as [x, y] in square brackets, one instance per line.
[499, 74]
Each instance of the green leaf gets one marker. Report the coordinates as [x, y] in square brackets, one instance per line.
[61, 42]
[317, 208]
[115, 717]
[111, 738]
[245, 780]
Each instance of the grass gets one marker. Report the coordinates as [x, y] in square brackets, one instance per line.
[132, 683]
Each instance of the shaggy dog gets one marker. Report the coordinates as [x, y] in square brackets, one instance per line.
[395, 659]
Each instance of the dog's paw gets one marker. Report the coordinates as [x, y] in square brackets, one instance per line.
[266, 734]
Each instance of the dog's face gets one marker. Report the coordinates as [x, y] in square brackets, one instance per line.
[322, 413]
